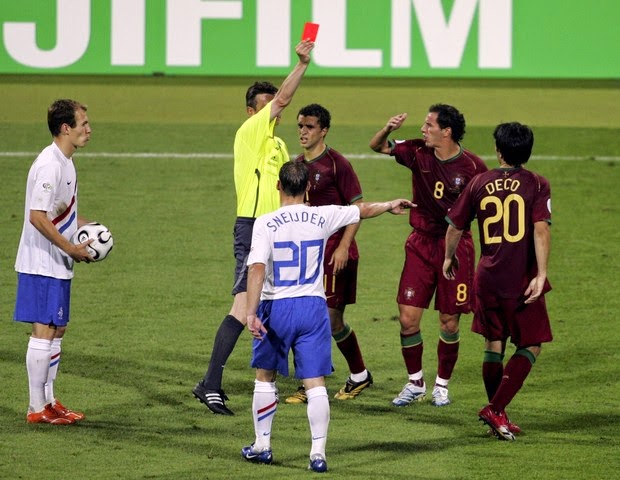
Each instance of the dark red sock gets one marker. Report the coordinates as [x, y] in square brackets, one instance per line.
[350, 350]
[412, 350]
[515, 373]
[447, 355]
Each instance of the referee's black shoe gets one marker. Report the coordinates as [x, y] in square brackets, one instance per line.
[213, 399]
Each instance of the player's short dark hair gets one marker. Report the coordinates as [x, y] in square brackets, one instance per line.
[449, 116]
[256, 89]
[294, 178]
[60, 112]
[514, 141]
[318, 111]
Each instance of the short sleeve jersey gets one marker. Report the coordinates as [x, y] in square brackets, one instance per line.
[290, 242]
[507, 202]
[258, 156]
[332, 182]
[436, 184]
[52, 188]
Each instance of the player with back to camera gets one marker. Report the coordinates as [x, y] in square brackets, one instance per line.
[513, 206]
[258, 156]
[286, 306]
[440, 169]
[334, 182]
[45, 257]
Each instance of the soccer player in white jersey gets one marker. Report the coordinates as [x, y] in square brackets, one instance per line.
[45, 257]
[286, 306]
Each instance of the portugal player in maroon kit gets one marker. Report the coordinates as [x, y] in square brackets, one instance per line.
[334, 182]
[441, 168]
[513, 206]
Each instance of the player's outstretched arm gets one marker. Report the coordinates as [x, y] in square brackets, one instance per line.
[395, 207]
[379, 143]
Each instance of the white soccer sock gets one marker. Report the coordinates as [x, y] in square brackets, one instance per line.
[416, 377]
[264, 405]
[318, 416]
[37, 365]
[359, 377]
[53, 370]
[442, 382]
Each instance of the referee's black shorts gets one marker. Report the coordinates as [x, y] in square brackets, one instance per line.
[242, 242]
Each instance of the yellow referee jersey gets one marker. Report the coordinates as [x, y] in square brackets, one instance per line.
[259, 154]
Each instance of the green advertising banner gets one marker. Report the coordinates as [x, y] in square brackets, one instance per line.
[371, 38]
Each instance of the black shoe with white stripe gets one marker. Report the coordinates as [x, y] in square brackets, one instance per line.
[213, 399]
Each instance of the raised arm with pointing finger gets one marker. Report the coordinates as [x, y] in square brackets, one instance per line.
[258, 156]
[440, 169]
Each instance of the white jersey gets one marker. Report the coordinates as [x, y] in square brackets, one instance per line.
[290, 242]
[52, 188]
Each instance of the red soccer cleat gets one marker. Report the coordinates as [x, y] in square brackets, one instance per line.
[497, 422]
[65, 412]
[48, 415]
[513, 427]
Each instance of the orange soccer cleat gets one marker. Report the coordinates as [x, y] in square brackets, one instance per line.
[48, 415]
[65, 412]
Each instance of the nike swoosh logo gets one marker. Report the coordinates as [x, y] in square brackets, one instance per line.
[318, 438]
[460, 304]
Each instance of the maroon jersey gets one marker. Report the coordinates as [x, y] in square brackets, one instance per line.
[436, 184]
[332, 182]
[507, 202]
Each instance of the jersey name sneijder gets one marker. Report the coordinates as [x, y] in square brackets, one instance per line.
[303, 217]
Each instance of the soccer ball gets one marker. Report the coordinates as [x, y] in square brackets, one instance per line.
[103, 241]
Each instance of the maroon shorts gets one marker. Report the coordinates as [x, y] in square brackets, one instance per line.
[422, 275]
[500, 318]
[340, 289]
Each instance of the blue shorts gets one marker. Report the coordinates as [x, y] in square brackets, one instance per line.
[42, 300]
[300, 324]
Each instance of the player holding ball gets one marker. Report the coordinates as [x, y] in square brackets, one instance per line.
[46, 255]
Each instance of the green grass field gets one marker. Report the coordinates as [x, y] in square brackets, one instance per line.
[143, 321]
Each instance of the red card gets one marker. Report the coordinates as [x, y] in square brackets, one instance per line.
[310, 31]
